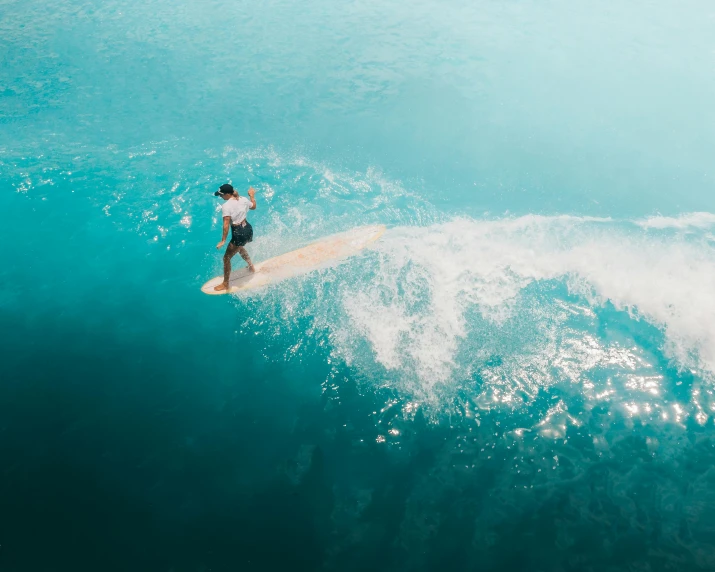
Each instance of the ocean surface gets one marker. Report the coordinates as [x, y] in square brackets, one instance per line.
[517, 377]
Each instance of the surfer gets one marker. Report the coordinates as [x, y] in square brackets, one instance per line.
[234, 211]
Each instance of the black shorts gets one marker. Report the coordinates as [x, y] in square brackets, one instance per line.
[241, 234]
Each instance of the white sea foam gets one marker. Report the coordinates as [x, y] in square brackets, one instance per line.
[697, 220]
[457, 287]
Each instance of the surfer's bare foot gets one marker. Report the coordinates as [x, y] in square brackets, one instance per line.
[251, 268]
[221, 287]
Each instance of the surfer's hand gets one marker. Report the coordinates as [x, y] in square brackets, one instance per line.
[251, 192]
[219, 246]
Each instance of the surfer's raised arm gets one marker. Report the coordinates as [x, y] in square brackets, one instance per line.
[252, 196]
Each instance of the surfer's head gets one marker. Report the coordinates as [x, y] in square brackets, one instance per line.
[225, 192]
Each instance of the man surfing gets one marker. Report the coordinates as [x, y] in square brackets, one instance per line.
[234, 211]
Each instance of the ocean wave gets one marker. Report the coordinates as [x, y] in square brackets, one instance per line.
[430, 277]
[508, 308]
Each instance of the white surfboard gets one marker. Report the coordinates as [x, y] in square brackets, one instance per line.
[317, 255]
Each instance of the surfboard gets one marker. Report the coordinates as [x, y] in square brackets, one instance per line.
[324, 252]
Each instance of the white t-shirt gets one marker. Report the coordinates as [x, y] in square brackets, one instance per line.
[237, 209]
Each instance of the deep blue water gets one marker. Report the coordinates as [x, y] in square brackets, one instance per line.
[518, 376]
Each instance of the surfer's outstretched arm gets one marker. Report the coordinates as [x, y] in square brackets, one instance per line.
[252, 196]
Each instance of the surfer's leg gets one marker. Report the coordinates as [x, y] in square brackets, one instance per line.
[229, 254]
[244, 254]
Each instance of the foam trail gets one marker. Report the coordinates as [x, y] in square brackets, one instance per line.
[440, 288]
[698, 220]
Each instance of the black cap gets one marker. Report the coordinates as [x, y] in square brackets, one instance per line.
[224, 190]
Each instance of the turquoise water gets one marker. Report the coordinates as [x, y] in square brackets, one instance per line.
[518, 376]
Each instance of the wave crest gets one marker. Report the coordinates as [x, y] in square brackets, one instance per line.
[512, 306]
